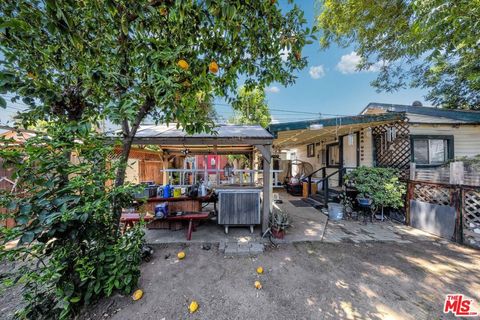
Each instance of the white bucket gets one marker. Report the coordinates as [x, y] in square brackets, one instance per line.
[335, 211]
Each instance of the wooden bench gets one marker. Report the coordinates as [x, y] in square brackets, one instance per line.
[190, 217]
[129, 219]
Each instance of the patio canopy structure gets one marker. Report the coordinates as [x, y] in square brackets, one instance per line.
[226, 139]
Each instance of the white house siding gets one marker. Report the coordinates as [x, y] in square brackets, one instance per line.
[466, 138]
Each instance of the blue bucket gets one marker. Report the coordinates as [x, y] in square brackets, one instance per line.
[161, 210]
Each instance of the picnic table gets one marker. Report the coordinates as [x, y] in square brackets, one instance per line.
[129, 219]
[190, 217]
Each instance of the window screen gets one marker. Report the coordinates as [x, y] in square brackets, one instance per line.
[430, 151]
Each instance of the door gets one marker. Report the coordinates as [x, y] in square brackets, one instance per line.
[350, 151]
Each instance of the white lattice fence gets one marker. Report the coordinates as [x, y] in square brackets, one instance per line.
[432, 194]
[471, 217]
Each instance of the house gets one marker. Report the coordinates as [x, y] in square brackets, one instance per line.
[383, 135]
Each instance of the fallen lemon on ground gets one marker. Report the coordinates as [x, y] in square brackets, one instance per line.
[213, 67]
[258, 285]
[259, 270]
[181, 255]
[193, 306]
[137, 295]
[183, 64]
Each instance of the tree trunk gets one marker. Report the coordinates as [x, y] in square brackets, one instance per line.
[127, 140]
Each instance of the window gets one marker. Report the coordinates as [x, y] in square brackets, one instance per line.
[431, 150]
[333, 155]
[311, 150]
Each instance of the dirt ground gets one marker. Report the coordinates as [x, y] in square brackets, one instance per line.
[370, 280]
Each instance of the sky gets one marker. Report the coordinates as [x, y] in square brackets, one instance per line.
[329, 85]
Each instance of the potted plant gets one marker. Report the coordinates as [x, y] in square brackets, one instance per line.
[378, 187]
[278, 222]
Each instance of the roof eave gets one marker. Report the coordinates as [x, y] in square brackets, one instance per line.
[301, 125]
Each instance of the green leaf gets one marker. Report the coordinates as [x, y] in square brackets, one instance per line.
[124, 25]
[127, 279]
[74, 299]
[3, 103]
[97, 287]
[27, 237]
[21, 219]
[12, 205]
[25, 208]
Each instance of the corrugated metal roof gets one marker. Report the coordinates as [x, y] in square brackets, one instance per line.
[222, 131]
[333, 122]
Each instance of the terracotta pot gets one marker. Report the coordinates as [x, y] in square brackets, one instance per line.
[278, 234]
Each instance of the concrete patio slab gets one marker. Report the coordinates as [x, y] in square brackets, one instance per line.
[307, 224]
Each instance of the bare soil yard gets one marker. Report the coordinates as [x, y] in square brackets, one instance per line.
[369, 280]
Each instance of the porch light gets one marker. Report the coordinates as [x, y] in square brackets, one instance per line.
[316, 126]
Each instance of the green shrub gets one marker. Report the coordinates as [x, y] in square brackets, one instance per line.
[382, 185]
[69, 249]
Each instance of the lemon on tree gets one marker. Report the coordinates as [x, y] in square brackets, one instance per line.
[182, 64]
[213, 67]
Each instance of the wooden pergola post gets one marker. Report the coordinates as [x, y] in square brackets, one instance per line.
[266, 151]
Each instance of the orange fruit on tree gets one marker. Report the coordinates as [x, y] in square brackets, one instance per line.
[163, 11]
[183, 64]
[213, 67]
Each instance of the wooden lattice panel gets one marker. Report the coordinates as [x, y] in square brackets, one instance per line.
[395, 153]
[432, 194]
[471, 217]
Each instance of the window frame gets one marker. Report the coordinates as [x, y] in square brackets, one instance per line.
[311, 150]
[450, 148]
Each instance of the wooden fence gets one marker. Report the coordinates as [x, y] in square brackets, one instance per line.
[454, 173]
[429, 205]
[6, 183]
[470, 198]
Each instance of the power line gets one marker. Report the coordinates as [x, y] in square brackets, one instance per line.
[278, 109]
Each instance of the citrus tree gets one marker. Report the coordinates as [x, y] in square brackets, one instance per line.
[78, 63]
[125, 60]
